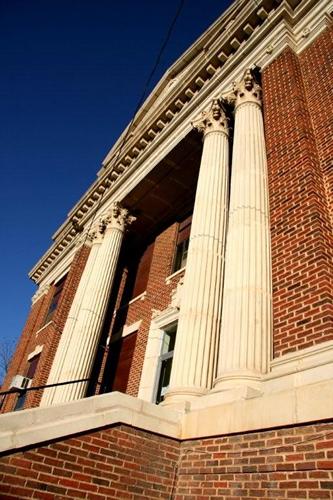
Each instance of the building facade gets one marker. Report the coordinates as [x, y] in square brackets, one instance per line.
[195, 277]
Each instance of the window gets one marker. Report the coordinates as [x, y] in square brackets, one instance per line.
[30, 372]
[119, 363]
[142, 273]
[165, 363]
[32, 366]
[183, 238]
[20, 401]
[55, 299]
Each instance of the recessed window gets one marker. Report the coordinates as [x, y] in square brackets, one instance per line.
[165, 363]
[182, 244]
[19, 405]
[143, 269]
[30, 372]
[55, 299]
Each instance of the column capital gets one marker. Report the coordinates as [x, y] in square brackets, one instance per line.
[213, 119]
[117, 217]
[95, 234]
[247, 90]
[89, 236]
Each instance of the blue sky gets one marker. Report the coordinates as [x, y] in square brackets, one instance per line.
[72, 72]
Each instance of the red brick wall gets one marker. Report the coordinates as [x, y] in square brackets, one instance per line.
[302, 258]
[18, 361]
[301, 186]
[122, 462]
[34, 334]
[158, 296]
[50, 336]
[295, 462]
[317, 69]
[116, 462]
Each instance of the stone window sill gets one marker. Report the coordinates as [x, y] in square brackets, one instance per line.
[44, 326]
[169, 278]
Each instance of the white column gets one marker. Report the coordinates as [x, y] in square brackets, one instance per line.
[93, 239]
[246, 317]
[79, 340]
[195, 355]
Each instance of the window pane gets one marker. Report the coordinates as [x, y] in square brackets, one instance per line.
[181, 255]
[32, 366]
[169, 340]
[164, 379]
[55, 300]
[165, 363]
[20, 401]
[143, 269]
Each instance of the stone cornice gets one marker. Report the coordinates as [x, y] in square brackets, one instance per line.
[210, 63]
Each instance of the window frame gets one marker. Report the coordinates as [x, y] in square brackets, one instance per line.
[30, 373]
[161, 359]
[53, 306]
[182, 243]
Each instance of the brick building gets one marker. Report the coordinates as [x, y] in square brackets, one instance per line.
[183, 323]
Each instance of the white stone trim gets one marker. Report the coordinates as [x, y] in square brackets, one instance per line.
[300, 405]
[303, 359]
[42, 290]
[43, 327]
[141, 296]
[124, 332]
[128, 329]
[38, 349]
[169, 278]
[64, 272]
[58, 266]
[283, 27]
[29, 427]
[158, 326]
[313, 402]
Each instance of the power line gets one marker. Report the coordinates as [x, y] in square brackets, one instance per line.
[143, 95]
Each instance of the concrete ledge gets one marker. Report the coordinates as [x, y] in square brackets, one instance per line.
[210, 415]
[29, 427]
[299, 405]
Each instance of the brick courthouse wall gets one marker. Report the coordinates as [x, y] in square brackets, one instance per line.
[301, 198]
[118, 462]
[33, 333]
[299, 141]
[300, 179]
[292, 462]
[317, 64]
[295, 462]
[122, 462]
[158, 296]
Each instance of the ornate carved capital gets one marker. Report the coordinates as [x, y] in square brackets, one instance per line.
[247, 90]
[116, 217]
[212, 120]
[92, 235]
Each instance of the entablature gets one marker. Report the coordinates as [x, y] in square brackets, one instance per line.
[261, 32]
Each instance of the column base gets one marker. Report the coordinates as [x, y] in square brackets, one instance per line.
[238, 379]
[180, 395]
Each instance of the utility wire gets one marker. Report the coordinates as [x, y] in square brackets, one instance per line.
[141, 100]
[143, 95]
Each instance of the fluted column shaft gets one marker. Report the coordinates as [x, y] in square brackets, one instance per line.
[66, 339]
[80, 338]
[246, 317]
[195, 356]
